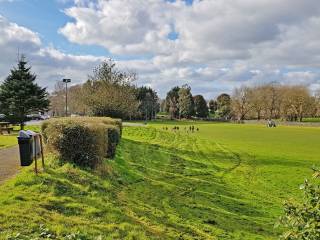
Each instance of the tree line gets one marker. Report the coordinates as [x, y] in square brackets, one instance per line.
[112, 92]
[180, 103]
[107, 92]
[270, 101]
[274, 101]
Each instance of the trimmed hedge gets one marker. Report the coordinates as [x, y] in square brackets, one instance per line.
[113, 141]
[83, 141]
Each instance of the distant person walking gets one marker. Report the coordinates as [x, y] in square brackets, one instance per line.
[271, 123]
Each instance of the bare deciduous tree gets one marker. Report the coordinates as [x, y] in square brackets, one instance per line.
[241, 103]
[291, 103]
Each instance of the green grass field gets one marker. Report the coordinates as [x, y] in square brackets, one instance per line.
[226, 181]
[11, 140]
[7, 141]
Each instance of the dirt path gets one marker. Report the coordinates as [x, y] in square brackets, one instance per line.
[131, 124]
[9, 162]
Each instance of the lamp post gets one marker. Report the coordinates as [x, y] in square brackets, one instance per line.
[66, 81]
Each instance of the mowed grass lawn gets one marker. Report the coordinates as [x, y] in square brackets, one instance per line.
[11, 140]
[7, 141]
[226, 181]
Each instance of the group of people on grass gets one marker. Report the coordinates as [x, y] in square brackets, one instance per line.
[271, 123]
[188, 129]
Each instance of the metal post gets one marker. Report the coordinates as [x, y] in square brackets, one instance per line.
[66, 99]
[42, 154]
[35, 155]
[66, 81]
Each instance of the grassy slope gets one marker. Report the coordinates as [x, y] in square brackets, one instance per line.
[225, 182]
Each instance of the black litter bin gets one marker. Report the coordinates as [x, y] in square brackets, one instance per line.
[25, 148]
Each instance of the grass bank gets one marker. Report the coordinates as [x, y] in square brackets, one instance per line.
[224, 182]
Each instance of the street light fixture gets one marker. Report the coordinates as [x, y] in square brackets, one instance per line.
[66, 81]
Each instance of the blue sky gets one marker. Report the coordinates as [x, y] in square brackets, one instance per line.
[46, 17]
[213, 46]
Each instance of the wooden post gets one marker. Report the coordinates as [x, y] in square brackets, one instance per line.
[35, 155]
[42, 155]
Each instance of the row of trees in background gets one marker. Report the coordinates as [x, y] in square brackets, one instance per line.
[271, 101]
[108, 92]
[112, 92]
[180, 103]
[220, 108]
[290, 103]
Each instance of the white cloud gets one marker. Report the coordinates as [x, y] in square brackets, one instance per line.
[49, 64]
[11, 32]
[208, 30]
[221, 43]
[133, 27]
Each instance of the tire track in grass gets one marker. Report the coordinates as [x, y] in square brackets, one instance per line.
[151, 162]
[166, 185]
[171, 187]
[233, 155]
[177, 157]
[211, 159]
[251, 166]
[207, 158]
[174, 221]
[171, 173]
[154, 227]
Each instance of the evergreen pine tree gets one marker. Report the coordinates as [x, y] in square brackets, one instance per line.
[213, 106]
[200, 106]
[20, 95]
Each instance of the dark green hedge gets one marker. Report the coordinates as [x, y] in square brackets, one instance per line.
[113, 141]
[82, 141]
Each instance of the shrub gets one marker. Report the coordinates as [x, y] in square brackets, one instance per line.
[82, 141]
[302, 219]
[113, 140]
[106, 120]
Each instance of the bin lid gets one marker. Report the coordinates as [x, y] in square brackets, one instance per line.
[23, 134]
[31, 133]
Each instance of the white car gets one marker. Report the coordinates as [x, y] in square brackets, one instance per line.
[44, 117]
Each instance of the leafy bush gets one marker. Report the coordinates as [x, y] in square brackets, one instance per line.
[82, 141]
[113, 140]
[105, 120]
[302, 220]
